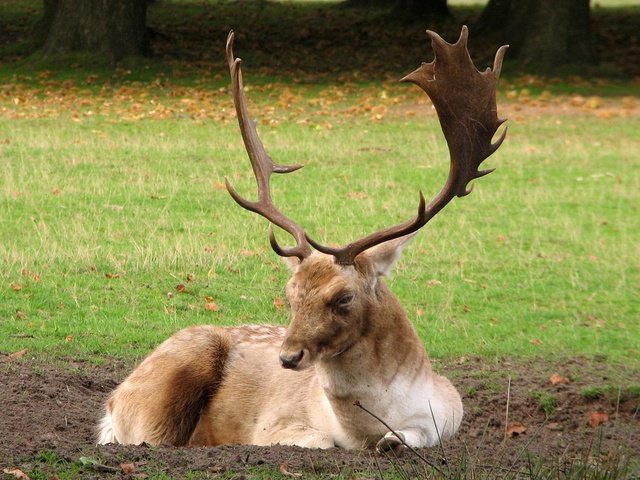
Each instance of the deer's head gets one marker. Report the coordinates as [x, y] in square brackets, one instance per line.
[332, 290]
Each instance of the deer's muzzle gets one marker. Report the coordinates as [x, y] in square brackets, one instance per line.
[291, 361]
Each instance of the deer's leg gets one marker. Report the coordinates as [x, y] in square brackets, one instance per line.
[413, 437]
[299, 435]
[161, 401]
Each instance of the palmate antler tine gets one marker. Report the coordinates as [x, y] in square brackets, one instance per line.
[465, 101]
[263, 166]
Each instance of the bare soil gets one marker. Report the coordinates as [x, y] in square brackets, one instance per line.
[49, 412]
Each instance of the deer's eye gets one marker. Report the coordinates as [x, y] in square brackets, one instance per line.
[342, 302]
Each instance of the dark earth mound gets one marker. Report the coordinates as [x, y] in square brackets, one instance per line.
[590, 415]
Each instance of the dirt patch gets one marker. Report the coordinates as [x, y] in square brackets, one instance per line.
[48, 416]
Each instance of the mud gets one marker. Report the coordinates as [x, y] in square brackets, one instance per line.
[49, 412]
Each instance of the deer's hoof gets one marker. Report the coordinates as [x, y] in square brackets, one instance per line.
[391, 443]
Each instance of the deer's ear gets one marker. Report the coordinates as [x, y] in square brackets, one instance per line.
[384, 256]
[292, 262]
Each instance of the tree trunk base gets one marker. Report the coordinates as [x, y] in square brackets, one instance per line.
[114, 28]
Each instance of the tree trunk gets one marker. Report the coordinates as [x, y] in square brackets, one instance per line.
[493, 18]
[423, 8]
[116, 28]
[543, 34]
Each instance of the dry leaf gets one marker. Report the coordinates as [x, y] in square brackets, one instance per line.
[18, 354]
[16, 286]
[535, 341]
[419, 312]
[278, 303]
[593, 102]
[190, 277]
[69, 338]
[211, 306]
[180, 288]
[284, 470]
[598, 418]
[514, 429]
[128, 468]
[112, 275]
[16, 473]
[357, 195]
[21, 315]
[557, 379]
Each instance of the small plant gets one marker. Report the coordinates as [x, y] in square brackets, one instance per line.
[592, 393]
[472, 392]
[546, 401]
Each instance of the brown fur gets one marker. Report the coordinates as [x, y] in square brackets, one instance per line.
[210, 385]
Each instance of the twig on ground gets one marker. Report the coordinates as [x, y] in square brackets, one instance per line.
[415, 452]
[506, 415]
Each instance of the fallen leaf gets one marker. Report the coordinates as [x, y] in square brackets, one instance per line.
[112, 275]
[278, 303]
[69, 338]
[16, 472]
[211, 306]
[598, 418]
[16, 286]
[535, 341]
[190, 277]
[56, 191]
[557, 379]
[357, 195]
[21, 315]
[284, 469]
[18, 354]
[419, 312]
[127, 468]
[180, 288]
[514, 429]
[593, 102]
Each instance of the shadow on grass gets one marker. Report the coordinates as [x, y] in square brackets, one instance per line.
[299, 41]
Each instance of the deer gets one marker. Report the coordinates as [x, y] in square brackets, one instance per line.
[349, 370]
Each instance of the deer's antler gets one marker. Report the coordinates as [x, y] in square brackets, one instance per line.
[263, 167]
[465, 101]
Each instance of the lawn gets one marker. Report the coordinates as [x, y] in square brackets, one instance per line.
[116, 229]
[115, 234]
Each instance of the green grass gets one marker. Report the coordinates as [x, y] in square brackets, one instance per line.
[103, 219]
[547, 402]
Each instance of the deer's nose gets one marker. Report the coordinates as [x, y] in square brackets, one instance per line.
[291, 361]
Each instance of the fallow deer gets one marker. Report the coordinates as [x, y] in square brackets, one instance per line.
[349, 346]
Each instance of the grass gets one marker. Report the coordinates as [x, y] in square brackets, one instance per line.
[102, 221]
[546, 401]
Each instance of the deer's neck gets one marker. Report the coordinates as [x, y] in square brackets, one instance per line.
[389, 351]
